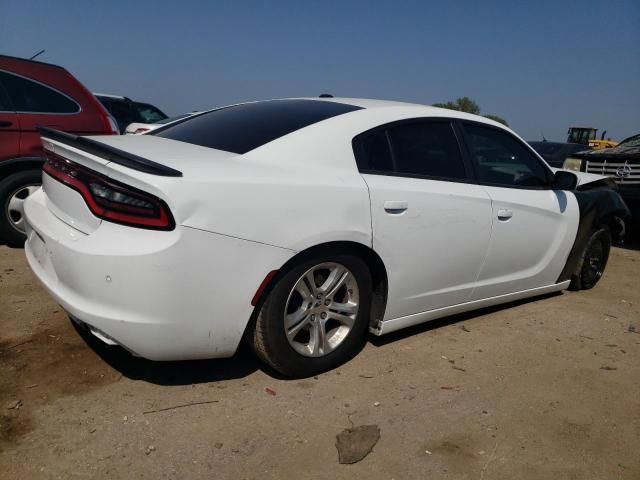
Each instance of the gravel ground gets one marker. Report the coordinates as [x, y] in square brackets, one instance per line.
[546, 389]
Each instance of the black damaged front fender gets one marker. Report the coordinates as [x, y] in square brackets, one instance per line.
[600, 206]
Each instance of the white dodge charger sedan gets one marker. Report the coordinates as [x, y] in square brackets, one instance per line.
[302, 224]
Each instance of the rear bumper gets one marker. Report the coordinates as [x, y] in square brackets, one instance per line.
[183, 294]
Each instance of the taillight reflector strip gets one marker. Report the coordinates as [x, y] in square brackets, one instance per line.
[109, 199]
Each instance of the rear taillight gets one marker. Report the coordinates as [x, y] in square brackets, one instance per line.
[109, 199]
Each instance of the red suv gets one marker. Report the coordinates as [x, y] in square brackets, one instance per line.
[37, 94]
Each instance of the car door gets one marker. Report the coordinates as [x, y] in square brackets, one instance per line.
[431, 225]
[9, 128]
[534, 226]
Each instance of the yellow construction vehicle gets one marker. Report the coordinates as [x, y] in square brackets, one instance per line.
[587, 136]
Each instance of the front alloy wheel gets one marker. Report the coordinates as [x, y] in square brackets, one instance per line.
[316, 315]
[593, 260]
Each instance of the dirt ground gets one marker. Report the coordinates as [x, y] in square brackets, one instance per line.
[543, 389]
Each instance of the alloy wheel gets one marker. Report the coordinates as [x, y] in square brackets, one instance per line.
[321, 309]
[593, 262]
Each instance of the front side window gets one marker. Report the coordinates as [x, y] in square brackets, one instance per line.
[503, 160]
[31, 97]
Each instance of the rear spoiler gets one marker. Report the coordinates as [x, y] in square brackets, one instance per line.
[110, 153]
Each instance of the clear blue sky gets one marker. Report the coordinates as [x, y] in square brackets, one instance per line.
[541, 65]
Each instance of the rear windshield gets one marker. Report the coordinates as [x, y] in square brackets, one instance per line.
[242, 128]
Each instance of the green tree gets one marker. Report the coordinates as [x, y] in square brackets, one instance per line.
[497, 118]
[465, 104]
[462, 104]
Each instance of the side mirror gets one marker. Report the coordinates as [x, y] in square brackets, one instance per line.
[563, 180]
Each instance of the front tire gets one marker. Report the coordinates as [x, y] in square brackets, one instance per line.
[592, 261]
[315, 317]
[13, 191]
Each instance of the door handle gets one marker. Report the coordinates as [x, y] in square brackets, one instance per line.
[4, 123]
[504, 214]
[396, 207]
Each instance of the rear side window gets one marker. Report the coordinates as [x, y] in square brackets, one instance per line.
[149, 113]
[373, 153]
[428, 149]
[28, 96]
[242, 128]
[416, 149]
[503, 160]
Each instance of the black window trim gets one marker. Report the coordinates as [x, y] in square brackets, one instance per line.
[45, 86]
[470, 174]
[474, 161]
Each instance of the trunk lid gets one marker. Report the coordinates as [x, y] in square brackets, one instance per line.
[120, 158]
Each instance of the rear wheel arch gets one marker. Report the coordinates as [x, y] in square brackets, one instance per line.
[303, 352]
[377, 269]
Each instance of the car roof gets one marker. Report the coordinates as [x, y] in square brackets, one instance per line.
[27, 60]
[390, 107]
[370, 104]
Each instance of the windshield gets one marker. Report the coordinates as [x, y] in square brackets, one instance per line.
[633, 141]
[581, 135]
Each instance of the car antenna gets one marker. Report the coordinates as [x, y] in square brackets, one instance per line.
[39, 53]
[325, 95]
[543, 139]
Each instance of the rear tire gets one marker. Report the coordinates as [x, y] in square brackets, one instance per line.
[13, 190]
[288, 332]
[592, 261]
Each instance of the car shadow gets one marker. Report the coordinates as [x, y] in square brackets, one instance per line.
[186, 372]
[244, 362]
